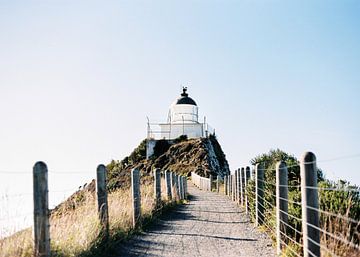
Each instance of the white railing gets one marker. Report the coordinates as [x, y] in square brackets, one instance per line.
[201, 182]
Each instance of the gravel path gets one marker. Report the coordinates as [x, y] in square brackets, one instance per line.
[210, 225]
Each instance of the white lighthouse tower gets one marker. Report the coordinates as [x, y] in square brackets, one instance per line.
[183, 120]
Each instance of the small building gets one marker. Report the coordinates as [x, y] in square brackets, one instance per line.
[183, 119]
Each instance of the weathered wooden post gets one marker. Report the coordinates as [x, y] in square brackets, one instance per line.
[210, 182]
[259, 198]
[247, 178]
[177, 187]
[242, 189]
[237, 184]
[217, 183]
[236, 178]
[225, 185]
[243, 184]
[135, 192]
[41, 210]
[281, 204]
[230, 186]
[157, 186]
[310, 205]
[102, 201]
[173, 185]
[180, 186]
[185, 187]
[168, 185]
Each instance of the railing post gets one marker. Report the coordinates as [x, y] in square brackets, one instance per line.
[41, 211]
[135, 192]
[217, 183]
[259, 185]
[102, 201]
[236, 178]
[210, 182]
[225, 185]
[281, 204]
[180, 186]
[230, 185]
[185, 187]
[242, 171]
[310, 205]
[177, 187]
[247, 178]
[168, 185]
[157, 186]
[173, 185]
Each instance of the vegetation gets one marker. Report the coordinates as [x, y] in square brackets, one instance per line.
[345, 201]
[76, 232]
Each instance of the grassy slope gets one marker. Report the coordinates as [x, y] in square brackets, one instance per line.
[74, 224]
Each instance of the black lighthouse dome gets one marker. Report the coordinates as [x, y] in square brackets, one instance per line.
[185, 99]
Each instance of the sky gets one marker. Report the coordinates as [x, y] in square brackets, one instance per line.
[79, 78]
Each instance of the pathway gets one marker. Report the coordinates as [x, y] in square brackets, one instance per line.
[210, 225]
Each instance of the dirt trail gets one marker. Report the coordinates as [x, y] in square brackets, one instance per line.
[210, 225]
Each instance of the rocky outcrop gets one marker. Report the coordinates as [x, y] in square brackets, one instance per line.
[203, 155]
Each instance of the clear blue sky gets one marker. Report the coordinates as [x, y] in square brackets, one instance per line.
[78, 78]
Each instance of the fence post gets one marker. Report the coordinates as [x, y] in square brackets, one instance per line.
[210, 182]
[241, 186]
[102, 201]
[236, 178]
[173, 185]
[230, 185]
[247, 178]
[259, 185]
[176, 180]
[41, 210]
[185, 187]
[281, 204]
[135, 190]
[168, 185]
[180, 186]
[217, 183]
[310, 205]
[225, 185]
[157, 186]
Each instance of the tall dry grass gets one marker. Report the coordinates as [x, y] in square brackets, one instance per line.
[73, 232]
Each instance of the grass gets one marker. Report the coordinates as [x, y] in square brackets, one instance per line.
[77, 232]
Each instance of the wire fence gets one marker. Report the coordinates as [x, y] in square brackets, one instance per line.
[16, 207]
[328, 226]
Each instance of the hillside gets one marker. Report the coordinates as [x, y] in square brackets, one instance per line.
[182, 156]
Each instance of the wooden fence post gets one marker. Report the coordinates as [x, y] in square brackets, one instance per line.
[230, 186]
[157, 186]
[185, 186]
[135, 190]
[168, 185]
[210, 182]
[247, 178]
[41, 211]
[310, 205]
[241, 186]
[237, 191]
[173, 185]
[217, 183]
[176, 180]
[259, 185]
[225, 185]
[102, 201]
[180, 186]
[281, 204]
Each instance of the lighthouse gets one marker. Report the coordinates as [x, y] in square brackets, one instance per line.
[182, 120]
